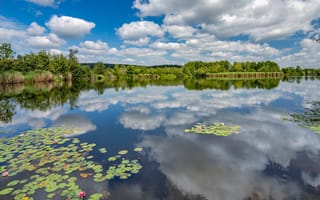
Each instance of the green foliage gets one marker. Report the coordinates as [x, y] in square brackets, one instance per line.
[199, 69]
[99, 68]
[6, 51]
[68, 67]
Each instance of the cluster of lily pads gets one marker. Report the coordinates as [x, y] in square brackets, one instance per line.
[218, 129]
[45, 160]
[310, 118]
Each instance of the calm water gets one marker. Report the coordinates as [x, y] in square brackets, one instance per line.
[271, 158]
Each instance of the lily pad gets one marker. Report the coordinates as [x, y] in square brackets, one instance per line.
[103, 150]
[123, 152]
[138, 149]
[6, 191]
[96, 196]
[218, 129]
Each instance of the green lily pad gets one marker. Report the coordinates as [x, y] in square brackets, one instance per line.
[123, 152]
[6, 191]
[218, 129]
[103, 150]
[13, 183]
[96, 196]
[138, 149]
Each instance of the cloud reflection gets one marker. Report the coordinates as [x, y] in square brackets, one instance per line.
[77, 122]
[139, 118]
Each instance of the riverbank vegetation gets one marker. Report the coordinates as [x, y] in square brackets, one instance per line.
[46, 67]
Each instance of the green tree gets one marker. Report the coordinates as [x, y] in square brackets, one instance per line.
[99, 68]
[6, 56]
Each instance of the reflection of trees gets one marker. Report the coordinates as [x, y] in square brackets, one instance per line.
[40, 96]
[7, 110]
[221, 84]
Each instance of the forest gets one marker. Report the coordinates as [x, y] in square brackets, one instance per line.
[43, 66]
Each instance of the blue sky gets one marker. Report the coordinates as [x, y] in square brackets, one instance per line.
[151, 32]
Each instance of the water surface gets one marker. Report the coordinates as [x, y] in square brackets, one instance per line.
[271, 158]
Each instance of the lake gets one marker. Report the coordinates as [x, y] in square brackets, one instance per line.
[275, 154]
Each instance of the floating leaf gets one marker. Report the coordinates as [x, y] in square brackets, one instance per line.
[103, 150]
[123, 152]
[6, 191]
[218, 129]
[112, 158]
[138, 149]
[13, 183]
[96, 196]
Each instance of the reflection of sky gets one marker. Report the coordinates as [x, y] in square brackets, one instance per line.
[231, 167]
[33, 118]
[77, 122]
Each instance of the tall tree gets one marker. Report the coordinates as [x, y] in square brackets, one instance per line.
[6, 56]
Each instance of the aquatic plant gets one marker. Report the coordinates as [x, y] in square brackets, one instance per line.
[123, 152]
[138, 149]
[218, 129]
[309, 119]
[54, 163]
[103, 150]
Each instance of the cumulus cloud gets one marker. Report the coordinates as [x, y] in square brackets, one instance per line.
[207, 47]
[262, 20]
[167, 46]
[179, 31]
[69, 27]
[139, 42]
[45, 3]
[55, 52]
[35, 30]
[308, 56]
[140, 29]
[92, 47]
[10, 34]
[46, 42]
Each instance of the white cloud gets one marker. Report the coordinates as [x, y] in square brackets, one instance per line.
[262, 20]
[69, 27]
[141, 52]
[139, 42]
[92, 47]
[140, 29]
[7, 35]
[45, 3]
[35, 30]
[167, 46]
[179, 31]
[46, 42]
[307, 57]
[55, 52]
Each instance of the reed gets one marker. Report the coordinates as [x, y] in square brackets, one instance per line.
[39, 76]
[11, 77]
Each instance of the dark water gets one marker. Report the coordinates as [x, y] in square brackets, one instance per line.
[271, 158]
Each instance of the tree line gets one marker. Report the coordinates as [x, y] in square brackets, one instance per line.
[44, 66]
